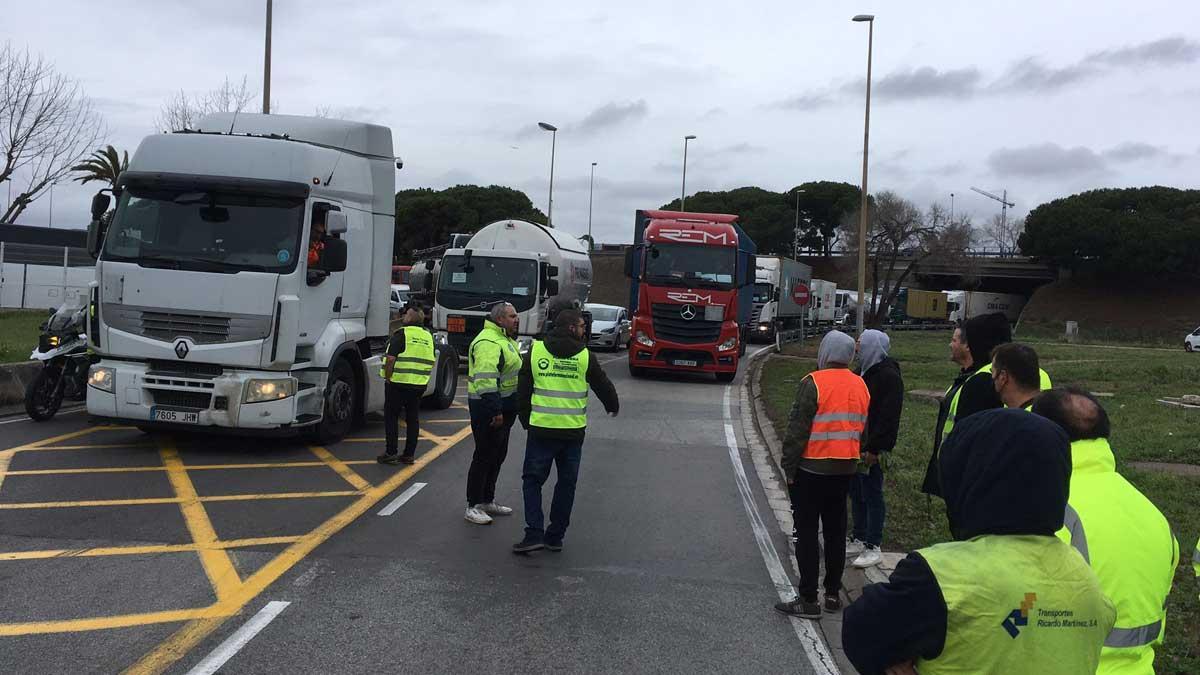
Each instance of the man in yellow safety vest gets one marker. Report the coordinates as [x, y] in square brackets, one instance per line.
[406, 369]
[493, 361]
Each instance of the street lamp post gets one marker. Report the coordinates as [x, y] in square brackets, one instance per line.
[553, 141]
[796, 230]
[683, 189]
[266, 107]
[862, 211]
[591, 184]
[951, 208]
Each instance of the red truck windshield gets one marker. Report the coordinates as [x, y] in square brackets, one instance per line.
[691, 265]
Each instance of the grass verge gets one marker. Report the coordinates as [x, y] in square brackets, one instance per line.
[19, 333]
[1142, 430]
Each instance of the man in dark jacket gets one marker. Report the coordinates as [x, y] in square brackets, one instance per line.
[882, 375]
[1006, 596]
[972, 391]
[552, 390]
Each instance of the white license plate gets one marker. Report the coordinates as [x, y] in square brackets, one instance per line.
[176, 416]
[681, 362]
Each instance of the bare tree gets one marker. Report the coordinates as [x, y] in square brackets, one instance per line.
[182, 111]
[47, 125]
[1004, 234]
[900, 237]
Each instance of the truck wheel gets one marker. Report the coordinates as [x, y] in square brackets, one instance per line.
[447, 381]
[726, 377]
[341, 400]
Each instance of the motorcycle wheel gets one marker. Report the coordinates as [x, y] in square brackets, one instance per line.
[44, 394]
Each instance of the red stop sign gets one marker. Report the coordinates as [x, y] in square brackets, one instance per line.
[800, 294]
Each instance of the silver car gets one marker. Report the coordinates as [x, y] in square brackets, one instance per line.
[610, 326]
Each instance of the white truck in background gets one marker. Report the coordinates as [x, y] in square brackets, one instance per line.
[207, 312]
[967, 304]
[776, 282]
[515, 261]
[823, 302]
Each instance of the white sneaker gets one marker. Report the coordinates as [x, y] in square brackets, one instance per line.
[475, 515]
[868, 558]
[854, 546]
[494, 509]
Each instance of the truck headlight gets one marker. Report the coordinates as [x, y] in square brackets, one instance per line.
[102, 378]
[644, 340]
[727, 345]
[258, 391]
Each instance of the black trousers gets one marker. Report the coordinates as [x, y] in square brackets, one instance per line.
[491, 448]
[404, 398]
[819, 502]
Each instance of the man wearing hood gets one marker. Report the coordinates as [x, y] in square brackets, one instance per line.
[882, 375]
[552, 394]
[821, 451]
[1007, 595]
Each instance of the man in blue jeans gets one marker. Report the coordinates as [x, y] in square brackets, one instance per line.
[882, 375]
[552, 394]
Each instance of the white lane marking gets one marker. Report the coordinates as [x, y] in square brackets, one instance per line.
[30, 419]
[810, 638]
[399, 501]
[234, 643]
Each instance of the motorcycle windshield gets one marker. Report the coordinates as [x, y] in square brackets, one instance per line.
[63, 317]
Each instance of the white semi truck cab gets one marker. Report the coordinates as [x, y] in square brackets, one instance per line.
[243, 280]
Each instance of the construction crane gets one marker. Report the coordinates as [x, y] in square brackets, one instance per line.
[1004, 204]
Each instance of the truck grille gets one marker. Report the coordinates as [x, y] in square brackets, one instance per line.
[182, 399]
[201, 328]
[756, 312]
[670, 325]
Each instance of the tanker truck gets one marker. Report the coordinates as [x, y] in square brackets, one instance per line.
[514, 261]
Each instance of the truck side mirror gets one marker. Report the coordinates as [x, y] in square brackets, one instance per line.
[100, 203]
[551, 271]
[333, 256]
[776, 297]
[336, 222]
[551, 287]
[95, 231]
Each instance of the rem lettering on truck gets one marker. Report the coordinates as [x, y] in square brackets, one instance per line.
[698, 236]
[690, 298]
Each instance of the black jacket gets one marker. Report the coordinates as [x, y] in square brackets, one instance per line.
[560, 343]
[887, 400]
[1003, 472]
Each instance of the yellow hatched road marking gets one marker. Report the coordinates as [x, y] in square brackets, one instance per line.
[136, 445]
[104, 622]
[192, 633]
[217, 563]
[340, 467]
[149, 501]
[100, 551]
[7, 455]
[191, 467]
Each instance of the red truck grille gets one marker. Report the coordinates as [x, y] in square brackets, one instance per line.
[671, 324]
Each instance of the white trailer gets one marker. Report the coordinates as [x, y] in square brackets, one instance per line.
[210, 307]
[514, 261]
[777, 280]
[967, 304]
[823, 302]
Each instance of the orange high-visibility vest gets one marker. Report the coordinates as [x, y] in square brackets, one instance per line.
[842, 401]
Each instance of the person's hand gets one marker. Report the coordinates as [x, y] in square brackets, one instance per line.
[870, 458]
[903, 668]
[497, 421]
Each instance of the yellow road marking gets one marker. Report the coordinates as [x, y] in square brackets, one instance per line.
[191, 467]
[5, 458]
[217, 563]
[187, 637]
[96, 446]
[176, 500]
[52, 439]
[103, 622]
[340, 467]
[379, 439]
[143, 550]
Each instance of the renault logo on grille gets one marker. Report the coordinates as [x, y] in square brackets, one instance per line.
[688, 313]
[181, 349]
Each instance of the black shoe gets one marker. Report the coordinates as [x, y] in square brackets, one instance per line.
[553, 545]
[528, 544]
[408, 459]
[799, 607]
[388, 458]
[833, 603]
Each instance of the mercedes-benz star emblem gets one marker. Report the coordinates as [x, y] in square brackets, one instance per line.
[687, 312]
[181, 349]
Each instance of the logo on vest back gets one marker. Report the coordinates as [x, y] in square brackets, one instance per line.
[1019, 617]
[543, 363]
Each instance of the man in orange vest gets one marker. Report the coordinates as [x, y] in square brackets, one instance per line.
[821, 451]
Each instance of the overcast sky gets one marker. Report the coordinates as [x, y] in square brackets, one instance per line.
[1043, 99]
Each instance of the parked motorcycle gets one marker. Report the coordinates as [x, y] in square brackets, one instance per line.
[62, 349]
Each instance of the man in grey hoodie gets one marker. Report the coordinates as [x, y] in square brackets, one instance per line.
[821, 452]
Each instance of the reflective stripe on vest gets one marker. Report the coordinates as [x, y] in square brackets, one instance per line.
[837, 428]
[1129, 545]
[492, 348]
[560, 389]
[415, 364]
[1017, 604]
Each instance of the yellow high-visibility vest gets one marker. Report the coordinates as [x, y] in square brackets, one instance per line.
[560, 389]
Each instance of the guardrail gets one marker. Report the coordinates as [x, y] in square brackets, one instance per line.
[786, 337]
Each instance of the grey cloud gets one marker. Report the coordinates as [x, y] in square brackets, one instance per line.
[1132, 152]
[714, 113]
[926, 82]
[611, 115]
[1167, 51]
[808, 101]
[1047, 159]
[951, 169]
[1031, 75]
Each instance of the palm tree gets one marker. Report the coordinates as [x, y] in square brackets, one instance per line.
[105, 165]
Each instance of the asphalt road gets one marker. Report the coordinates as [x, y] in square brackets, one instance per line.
[126, 552]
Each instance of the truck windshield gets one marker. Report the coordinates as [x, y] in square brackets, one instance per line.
[485, 280]
[205, 231]
[763, 292]
[691, 265]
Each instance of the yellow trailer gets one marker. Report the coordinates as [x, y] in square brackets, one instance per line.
[927, 306]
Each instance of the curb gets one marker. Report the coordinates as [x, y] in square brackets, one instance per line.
[13, 378]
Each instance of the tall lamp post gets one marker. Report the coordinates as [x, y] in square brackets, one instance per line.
[796, 230]
[267, 66]
[591, 184]
[553, 141]
[683, 189]
[862, 211]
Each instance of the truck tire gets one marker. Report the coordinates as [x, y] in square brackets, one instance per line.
[446, 387]
[726, 377]
[341, 400]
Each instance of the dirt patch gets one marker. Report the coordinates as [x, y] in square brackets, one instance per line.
[1145, 313]
[1172, 468]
